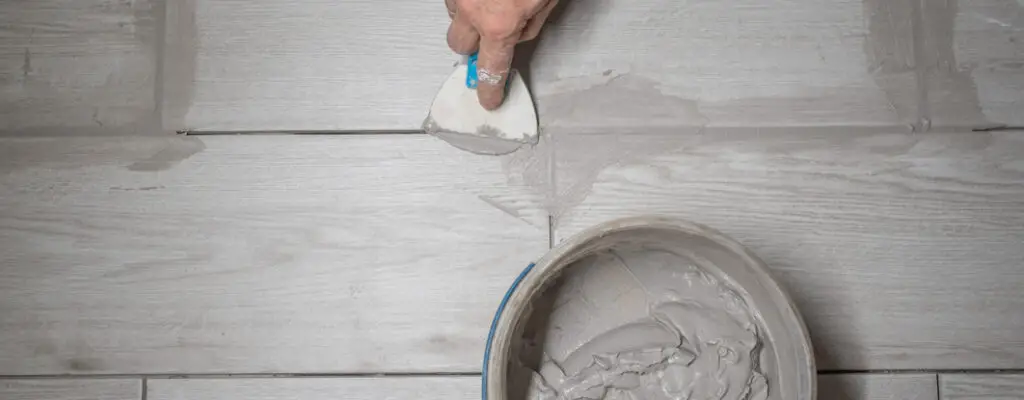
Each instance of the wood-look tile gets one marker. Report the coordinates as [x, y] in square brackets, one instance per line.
[79, 67]
[71, 389]
[982, 386]
[254, 254]
[367, 65]
[896, 247]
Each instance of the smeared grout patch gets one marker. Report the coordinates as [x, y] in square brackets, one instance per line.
[508, 210]
[532, 167]
[144, 22]
[590, 125]
[951, 97]
[889, 53]
[177, 51]
[986, 45]
[487, 140]
[171, 155]
[479, 144]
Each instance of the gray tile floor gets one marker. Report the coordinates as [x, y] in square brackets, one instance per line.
[131, 255]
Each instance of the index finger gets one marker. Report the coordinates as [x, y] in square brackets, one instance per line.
[495, 59]
[450, 5]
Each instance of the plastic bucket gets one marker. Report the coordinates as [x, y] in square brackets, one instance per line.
[792, 361]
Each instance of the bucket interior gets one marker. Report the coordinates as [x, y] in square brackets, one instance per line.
[627, 291]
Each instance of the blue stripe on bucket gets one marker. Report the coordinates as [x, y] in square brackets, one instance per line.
[494, 325]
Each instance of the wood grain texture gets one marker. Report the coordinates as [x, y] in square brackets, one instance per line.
[317, 64]
[254, 254]
[83, 66]
[736, 63]
[831, 387]
[70, 389]
[895, 247]
[176, 83]
[974, 58]
[877, 387]
[982, 386]
[370, 65]
[376, 388]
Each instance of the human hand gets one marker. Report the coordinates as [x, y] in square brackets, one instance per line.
[494, 27]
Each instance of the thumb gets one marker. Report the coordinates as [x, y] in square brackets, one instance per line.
[493, 64]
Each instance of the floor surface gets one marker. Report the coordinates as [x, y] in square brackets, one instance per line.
[866, 150]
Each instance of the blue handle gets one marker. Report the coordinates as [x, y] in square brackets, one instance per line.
[471, 76]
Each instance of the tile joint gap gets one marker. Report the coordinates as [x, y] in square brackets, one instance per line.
[977, 371]
[923, 123]
[146, 377]
[299, 132]
[551, 232]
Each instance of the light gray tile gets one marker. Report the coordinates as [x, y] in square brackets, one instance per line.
[74, 67]
[831, 387]
[654, 63]
[896, 247]
[383, 388]
[317, 64]
[877, 387]
[974, 58]
[982, 386]
[254, 254]
[70, 389]
[368, 65]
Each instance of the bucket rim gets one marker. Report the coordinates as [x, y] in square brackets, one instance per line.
[531, 280]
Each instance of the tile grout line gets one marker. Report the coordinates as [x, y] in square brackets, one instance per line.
[159, 83]
[301, 132]
[551, 231]
[145, 389]
[923, 123]
[936, 371]
[399, 132]
[552, 197]
[146, 377]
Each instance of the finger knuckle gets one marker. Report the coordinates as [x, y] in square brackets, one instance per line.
[498, 27]
[460, 46]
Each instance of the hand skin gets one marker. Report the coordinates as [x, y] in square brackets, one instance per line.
[494, 27]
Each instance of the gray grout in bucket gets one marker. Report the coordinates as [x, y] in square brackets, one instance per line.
[648, 307]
